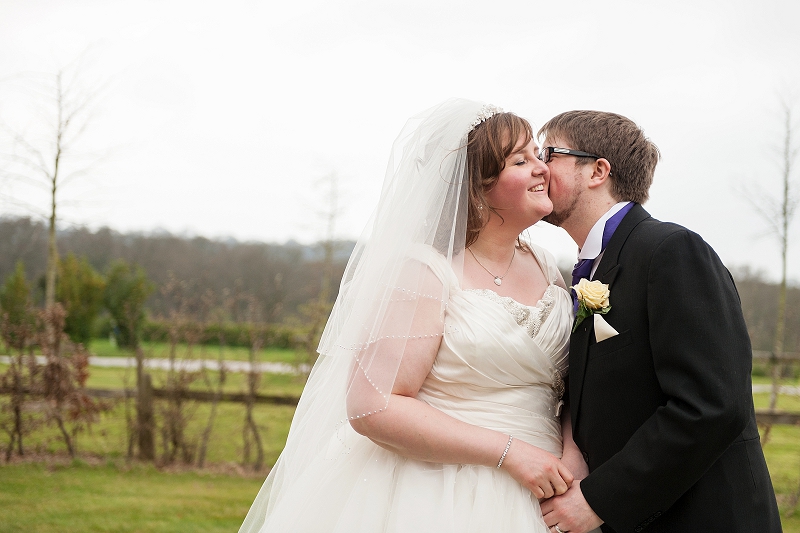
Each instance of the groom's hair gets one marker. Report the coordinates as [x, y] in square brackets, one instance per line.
[633, 157]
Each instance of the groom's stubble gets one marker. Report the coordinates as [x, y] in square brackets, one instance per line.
[559, 215]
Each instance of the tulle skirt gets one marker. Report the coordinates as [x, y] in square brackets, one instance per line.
[372, 490]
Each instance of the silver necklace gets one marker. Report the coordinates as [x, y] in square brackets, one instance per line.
[498, 280]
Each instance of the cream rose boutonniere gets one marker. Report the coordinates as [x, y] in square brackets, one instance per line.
[593, 297]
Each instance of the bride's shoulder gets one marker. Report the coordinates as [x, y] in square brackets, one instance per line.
[542, 254]
[436, 262]
[546, 260]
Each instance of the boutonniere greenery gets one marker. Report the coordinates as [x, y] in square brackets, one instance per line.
[593, 298]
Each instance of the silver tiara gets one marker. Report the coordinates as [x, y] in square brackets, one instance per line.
[486, 112]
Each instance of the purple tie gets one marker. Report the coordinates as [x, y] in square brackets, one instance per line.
[583, 268]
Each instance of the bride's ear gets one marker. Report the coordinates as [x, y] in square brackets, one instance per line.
[600, 173]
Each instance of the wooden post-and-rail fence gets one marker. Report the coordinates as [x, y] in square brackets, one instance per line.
[199, 396]
[769, 417]
[764, 416]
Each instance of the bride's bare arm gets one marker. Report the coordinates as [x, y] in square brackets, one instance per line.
[416, 430]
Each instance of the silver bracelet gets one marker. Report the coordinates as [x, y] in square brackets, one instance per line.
[502, 457]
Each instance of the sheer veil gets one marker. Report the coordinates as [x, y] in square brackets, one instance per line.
[408, 256]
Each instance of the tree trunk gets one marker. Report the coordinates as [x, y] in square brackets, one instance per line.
[144, 414]
[52, 255]
[10, 448]
[786, 214]
[17, 399]
[52, 250]
[251, 424]
[201, 454]
[253, 379]
[65, 434]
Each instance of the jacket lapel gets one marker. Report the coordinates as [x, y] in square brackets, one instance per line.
[583, 337]
[609, 265]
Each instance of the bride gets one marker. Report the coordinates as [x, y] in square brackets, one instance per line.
[435, 403]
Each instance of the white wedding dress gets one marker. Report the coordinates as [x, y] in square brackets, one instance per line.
[501, 366]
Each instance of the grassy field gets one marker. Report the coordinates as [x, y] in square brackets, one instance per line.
[106, 348]
[114, 496]
[120, 378]
[107, 437]
[111, 497]
[783, 458]
[36, 498]
[783, 455]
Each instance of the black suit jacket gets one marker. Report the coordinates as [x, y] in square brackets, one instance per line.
[664, 410]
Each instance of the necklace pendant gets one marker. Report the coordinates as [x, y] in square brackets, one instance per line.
[498, 281]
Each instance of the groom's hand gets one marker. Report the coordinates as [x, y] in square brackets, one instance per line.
[570, 512]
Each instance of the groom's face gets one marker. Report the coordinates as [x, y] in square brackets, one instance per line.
[565, 183]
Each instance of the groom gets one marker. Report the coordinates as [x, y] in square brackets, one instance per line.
[659, 387]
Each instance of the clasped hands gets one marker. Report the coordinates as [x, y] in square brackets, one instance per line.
[547, 478]
[570, 512]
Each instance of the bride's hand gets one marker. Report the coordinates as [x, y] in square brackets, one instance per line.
[537, 470]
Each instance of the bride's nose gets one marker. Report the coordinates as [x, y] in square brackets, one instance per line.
[540, 169]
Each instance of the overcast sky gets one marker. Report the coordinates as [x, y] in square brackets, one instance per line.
[222, 119]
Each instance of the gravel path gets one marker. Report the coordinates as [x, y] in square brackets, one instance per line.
[195, 365]
[192, 365]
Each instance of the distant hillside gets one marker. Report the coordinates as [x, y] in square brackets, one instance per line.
[290, 273]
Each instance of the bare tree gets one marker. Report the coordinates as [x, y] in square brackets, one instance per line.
[40, 159]
[219, 313]
[255, 333]
[315, 313]
[185, 330]
[778, 213]
[63, 379]
[330, 215]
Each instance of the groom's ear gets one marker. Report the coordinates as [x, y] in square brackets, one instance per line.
[601, 171]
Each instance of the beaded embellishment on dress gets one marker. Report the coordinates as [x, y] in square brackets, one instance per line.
[530, 318]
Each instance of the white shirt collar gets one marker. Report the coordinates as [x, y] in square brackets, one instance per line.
[594, 241]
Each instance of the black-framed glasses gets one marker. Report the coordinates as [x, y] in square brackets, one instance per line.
[546, 153]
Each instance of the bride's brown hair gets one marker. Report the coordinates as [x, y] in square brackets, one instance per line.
[488, 146]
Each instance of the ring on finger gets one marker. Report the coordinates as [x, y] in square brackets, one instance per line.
[558, 529]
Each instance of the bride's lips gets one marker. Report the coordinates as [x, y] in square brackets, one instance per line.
[537, 188]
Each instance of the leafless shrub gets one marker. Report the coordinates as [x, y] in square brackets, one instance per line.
[185, 331]
[220, 312]
[62, 380]
[250, 433]
[18, 381]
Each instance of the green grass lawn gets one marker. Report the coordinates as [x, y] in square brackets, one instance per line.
[106, 348]
[782, 452]
[783, 458]
[35, 498]
[107, 437]
[114, 497]
[121, 378]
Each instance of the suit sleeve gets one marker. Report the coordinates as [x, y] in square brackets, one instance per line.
[702, 359]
